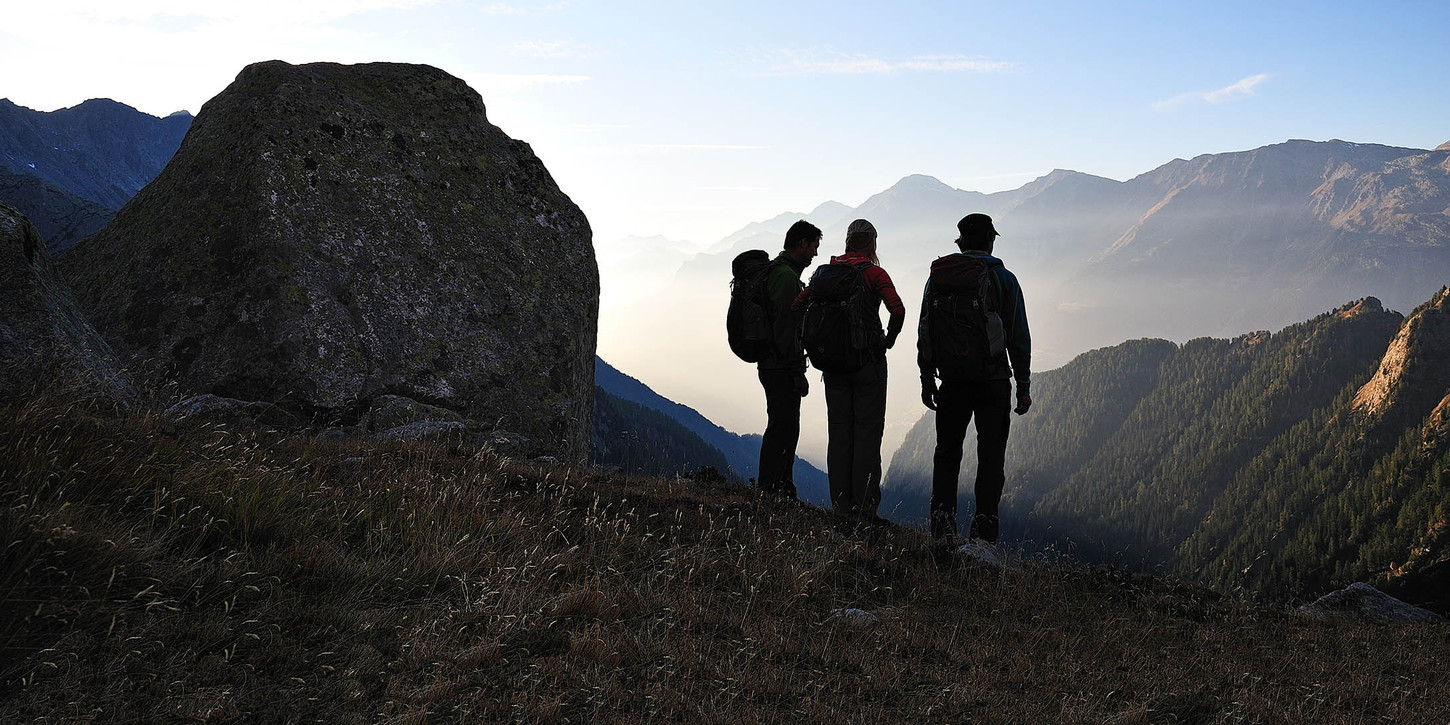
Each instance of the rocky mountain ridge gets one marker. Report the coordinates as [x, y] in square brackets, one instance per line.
[100, 150]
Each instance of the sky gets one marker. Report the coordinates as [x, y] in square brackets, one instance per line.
[692, 119]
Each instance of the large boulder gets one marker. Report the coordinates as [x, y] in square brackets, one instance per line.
[1363, 601]
[329, 234]
[45, 342]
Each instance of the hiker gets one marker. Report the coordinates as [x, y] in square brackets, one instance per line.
[782, 371]
[853, 287]
[973, 336]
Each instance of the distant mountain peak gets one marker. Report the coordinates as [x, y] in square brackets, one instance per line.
[829, 207]
[920, 182]
[1443, 147]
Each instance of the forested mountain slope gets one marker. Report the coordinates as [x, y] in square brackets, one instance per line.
[1280, 462]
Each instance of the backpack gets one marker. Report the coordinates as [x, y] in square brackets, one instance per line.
[967, 337]
[840, 327]
[746, 322]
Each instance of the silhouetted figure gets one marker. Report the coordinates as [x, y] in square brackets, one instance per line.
[843, 336]
[783, 372]
[974, 337]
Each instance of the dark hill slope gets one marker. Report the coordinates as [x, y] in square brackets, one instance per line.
[742, 452]
[152, 575]
[636, 439]
[62, 218]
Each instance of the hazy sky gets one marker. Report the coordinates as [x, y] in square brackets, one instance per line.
[690, 119]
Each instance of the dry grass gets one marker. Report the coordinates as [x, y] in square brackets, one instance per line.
[159, 575]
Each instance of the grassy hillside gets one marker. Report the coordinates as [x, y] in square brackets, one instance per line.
[154, 574]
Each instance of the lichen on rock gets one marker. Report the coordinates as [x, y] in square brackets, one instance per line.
[329, 234]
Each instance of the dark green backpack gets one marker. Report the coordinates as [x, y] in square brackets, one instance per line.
[841, 327]
[746, 322]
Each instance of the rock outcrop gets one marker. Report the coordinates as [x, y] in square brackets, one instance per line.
[329, 234]
[45, 341]
[1363, 601]
[1413, 375]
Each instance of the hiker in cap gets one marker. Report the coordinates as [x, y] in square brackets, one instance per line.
[973, 336]
[841, 331]
[782, 371]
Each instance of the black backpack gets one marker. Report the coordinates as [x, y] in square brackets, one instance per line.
[840, 328]
[746, 322]
[967, 338]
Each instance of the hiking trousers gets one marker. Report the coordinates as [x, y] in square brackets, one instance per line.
[990, 401]
[782, 432]
[856, 417]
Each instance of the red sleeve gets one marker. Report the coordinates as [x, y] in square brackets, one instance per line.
[800, 299]
[881, 283]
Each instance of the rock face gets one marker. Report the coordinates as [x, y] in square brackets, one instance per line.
[329, 234]
[1413, 375]
[45, 341]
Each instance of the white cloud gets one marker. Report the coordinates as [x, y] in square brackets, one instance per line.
[1231, 92]
[513, 9]
[485, 83]
[831, 63]
[671, 147]
[552, 49]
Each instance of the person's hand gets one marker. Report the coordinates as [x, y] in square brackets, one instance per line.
[928, 392]
[1024, 402]
[802, 386]
[890, 340]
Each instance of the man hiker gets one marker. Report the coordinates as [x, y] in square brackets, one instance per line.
[783, 371]
[853, 287]
[973, 336]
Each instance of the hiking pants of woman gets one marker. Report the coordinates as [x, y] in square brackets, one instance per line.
[991, 402]
[856, 417]
[782, 431]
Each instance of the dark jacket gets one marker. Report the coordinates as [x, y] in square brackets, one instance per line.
[782, 284]
[1013, 311]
